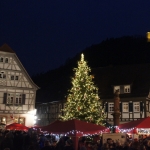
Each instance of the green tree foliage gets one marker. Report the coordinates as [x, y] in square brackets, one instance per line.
[83, 102]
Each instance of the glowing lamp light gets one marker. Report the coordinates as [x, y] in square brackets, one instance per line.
[148, 36]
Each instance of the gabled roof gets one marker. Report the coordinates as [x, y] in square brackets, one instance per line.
[6, 48]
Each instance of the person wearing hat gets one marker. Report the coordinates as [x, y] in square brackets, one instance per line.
[69, 145]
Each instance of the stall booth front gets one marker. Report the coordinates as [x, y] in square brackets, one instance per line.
[74, 129]
[136, 128]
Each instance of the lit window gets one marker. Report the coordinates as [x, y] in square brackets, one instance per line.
[110, 107]
[3, 120]
[136, 107]
[21, 120]
[127, 89]
[116, 88]
[125, 107]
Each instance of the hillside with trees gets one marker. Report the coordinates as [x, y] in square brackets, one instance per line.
[54, 84]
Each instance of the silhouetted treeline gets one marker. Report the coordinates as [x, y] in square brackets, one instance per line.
[115, 51]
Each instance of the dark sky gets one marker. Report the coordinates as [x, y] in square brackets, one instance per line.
[44, 33]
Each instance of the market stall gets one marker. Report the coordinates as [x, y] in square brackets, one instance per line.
[16, 126]
[74, 129]
[141, 126]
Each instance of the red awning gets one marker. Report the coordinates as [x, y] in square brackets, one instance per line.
[142, 123]
[63, 127]
[16, 126]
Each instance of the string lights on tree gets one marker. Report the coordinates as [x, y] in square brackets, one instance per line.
[83, 102]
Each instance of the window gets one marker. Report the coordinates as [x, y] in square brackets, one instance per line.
[2, 75]
[10, 98]
[3, 120]
[1, 59]
[16, 78]
[116, 88]
[12, 77]
[125, 107]
[136, 107]
[18, 99]
[110, 107]
[6, 60]
[14, 99]
[20, 120]
[127, 89]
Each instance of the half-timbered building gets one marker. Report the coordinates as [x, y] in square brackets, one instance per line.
[17, 90]
[133, 83]
[48, 112]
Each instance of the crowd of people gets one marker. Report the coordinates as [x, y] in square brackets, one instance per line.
[31, 140]
[142, 143]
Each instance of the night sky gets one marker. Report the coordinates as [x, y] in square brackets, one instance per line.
[44, 33]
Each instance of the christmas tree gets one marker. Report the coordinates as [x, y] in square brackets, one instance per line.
[83, 102]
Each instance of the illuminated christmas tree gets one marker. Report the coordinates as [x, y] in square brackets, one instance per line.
[83, 102]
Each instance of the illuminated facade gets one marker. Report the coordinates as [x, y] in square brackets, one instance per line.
[17, 90]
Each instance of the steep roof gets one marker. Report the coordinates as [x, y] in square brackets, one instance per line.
[6, 48]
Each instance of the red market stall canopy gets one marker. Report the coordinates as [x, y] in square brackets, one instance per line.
[66, 127]
[16, 126]
[74, 128]
[142, 123]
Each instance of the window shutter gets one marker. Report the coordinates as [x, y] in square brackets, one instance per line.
[141, 106]
[23, 99]
[120, 107]
[106, 107]
[5, 98]
[121, 89]
[130, 107]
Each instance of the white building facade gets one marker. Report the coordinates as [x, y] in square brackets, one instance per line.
[17, 90]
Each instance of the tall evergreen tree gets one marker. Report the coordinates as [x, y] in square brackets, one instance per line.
[83, 102]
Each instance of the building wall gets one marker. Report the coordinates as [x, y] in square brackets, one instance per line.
[135, 108]
[48, 112]
[17, 91]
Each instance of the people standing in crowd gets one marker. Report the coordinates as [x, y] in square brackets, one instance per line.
[126, 146]
[69, 145]
[54, 145]
[83, 144]
[7, 142]
[42, 140]
[18, 140]
[47, 146]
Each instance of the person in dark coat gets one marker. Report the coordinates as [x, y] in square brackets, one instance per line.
[18, 140]
[47, 146]
[7, 142]
[69, 145]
